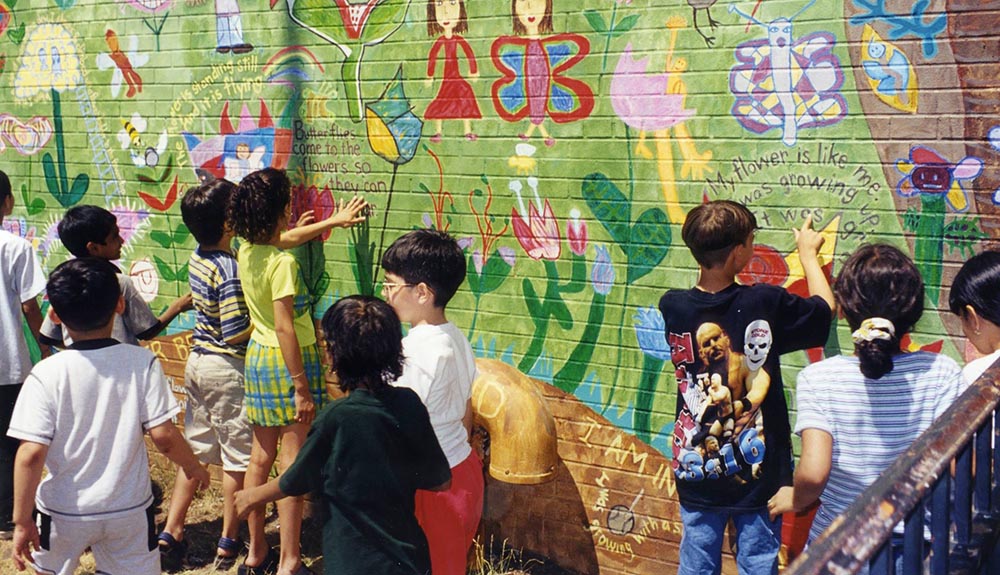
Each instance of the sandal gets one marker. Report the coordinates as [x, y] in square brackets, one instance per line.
[268, 567]
[172, 552]
[226, 562]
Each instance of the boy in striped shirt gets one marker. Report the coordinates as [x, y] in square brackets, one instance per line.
[215, 422]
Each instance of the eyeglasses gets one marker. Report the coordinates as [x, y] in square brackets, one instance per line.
[389, 288]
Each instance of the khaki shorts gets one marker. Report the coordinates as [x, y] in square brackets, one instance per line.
[215, 421]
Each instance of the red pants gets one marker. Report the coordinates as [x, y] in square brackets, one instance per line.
[450, 518]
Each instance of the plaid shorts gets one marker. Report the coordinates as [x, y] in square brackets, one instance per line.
[270, 393]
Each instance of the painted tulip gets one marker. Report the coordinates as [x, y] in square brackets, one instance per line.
[602, 276]
[650, 332]
[539, 234]
[576, 233]
[393, 128]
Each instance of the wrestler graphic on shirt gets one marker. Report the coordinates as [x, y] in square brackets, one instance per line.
[748, 387]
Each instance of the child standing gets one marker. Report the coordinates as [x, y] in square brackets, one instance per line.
[283, 378]
[423, 270]
[22, 281]
[215, 423]
[91, 231]
[368, 453]
[881, 392]
[82, 416]
[975, 298]
[732, 442]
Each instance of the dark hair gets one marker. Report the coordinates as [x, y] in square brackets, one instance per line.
[5, 189]
[433, 28]
[978, 285]
[364, 340]
[84, 292]
[878, 280]
[712, 230]
[428, 256]
[84, 224]
[258, 203]
[544, 26]
[204, 210]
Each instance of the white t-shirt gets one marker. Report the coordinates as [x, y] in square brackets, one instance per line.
[22, 279]
[872, 421]
[91, 405]
[136, 318]
[977, 367]
[440, 368]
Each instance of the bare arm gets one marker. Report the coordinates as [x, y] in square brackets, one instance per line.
[247, 499]
[169, 441]
[28, 466]
[810, 476]
[175, 308]
[33, 317]
[809, 242]
[284, 327]
[345, 215]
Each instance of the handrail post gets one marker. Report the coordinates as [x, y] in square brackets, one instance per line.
[962, 511]
[940, 526]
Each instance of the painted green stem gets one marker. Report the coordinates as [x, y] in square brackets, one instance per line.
[572, 373]
[551, 305]
[651, 369]
[350, 72]
[928, 247]
[607, 38]
[60, 145]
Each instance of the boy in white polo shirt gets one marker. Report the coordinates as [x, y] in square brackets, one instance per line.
[82, 417]
[423, 270]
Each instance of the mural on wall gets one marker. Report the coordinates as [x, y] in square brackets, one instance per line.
[562, 143]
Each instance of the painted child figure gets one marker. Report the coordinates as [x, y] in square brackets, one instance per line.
[368, 453]
[423, 270]
[732, 451]
[82, 418]
[229, 28]
[455, 99]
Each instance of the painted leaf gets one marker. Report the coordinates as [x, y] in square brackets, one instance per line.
[650, 242]
[76, 191]
[609, 206]
[161, 238]
[596, 21]
[166, 272]
[181, 233]
[624, 25]
[531, 300]
[182, 273]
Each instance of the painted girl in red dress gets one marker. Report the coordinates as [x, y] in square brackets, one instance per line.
[455, 99]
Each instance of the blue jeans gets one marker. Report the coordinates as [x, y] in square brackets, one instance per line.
[757, 542]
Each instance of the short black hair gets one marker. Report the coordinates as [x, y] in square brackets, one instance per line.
[204, 210]
[5, 189]
[712, 230]
[878, 280]
[84, 292]
[364, 340]
[978, 285]
[428, 256]
[84, 224]
[258, 203]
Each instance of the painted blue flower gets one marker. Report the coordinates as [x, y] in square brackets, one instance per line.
[602, 276]
[649, 330]
[994, 137]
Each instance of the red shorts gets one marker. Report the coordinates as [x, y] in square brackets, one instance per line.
[450, 518]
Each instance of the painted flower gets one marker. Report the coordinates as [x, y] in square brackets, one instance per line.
[766, 266]
[641, 100]
[150, 6]
[26, 137]
[927, 172]
[576, 233]
[506, 254]
[538, 234]
[5, 17]
[393, 129]
[650, 330]
[49, 62]
[602, 276]
[305, 199]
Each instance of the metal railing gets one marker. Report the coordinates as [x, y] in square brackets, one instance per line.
[946, 484]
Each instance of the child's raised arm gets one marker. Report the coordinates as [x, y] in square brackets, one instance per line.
[346, 214]
[809, 242]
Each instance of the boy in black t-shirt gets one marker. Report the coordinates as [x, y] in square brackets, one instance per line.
[732, 440]
[367, 453]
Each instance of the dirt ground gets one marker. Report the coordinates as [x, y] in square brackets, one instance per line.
[204, 524]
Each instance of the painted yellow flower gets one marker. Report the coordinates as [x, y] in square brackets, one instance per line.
[49, 61]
